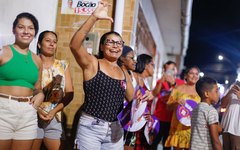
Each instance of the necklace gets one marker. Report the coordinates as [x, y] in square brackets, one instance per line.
[26, 58]
[20, 52]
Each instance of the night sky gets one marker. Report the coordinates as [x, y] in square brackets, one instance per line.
[214, 30]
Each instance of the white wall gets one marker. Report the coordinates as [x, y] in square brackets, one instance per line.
[44, 10]
[153, 25]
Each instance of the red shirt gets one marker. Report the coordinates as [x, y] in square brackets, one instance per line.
[161, 111]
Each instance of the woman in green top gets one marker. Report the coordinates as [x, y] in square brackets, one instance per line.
[20, 86]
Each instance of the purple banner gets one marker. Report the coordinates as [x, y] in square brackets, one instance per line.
[132, 116]
[151, 129]
[184, 112]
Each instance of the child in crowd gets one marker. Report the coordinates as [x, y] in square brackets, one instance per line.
[204, 122]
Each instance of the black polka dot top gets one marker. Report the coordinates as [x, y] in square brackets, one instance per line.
[104, 96]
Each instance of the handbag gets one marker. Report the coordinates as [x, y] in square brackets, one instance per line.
[53, 95]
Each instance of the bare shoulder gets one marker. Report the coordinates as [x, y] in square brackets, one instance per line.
[91, 69]
[135, 75]
[36, 59]
[94, 62]
[5, 50]
[6, 47]
[5, 54]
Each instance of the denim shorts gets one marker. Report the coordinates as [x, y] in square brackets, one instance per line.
[18, 120]
[97, 134]
[52, 130]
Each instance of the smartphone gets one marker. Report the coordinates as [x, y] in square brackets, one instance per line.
[169, 72]
[237, 83]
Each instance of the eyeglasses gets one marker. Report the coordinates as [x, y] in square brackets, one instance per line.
[112, 43]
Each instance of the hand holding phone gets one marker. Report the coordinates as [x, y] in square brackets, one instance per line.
[237, 83]
[169, 77]
[169, 72]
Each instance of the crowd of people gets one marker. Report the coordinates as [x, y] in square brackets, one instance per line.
[33, 95]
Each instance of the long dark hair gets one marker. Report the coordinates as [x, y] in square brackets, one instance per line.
[40, 38]
[103, 40]
[142, 61]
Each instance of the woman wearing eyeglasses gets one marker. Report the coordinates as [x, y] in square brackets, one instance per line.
[105, 86]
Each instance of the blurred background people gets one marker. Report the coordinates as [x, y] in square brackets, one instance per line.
[179, 134]
[162, 91]
[58, 90]
[144, 69]
[127, 62]
[230, 120]
[20, 86]
[105, 86]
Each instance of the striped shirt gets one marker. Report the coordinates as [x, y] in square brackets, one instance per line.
[202, 116]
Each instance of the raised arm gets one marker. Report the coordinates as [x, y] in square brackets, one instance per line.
[76, 45]
[227, 97]
[158, 87]
[165, 78]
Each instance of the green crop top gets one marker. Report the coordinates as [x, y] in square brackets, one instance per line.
[20, 70]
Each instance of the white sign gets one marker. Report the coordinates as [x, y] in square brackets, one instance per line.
[79, 7]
